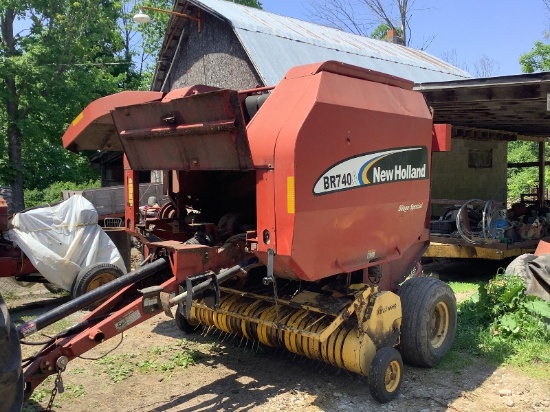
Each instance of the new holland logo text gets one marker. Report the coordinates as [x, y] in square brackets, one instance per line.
[399, 173]
[408, 163]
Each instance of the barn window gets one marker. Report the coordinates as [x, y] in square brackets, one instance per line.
[480, 158]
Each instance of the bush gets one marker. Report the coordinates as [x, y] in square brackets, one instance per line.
[54, 192]
[505, 324]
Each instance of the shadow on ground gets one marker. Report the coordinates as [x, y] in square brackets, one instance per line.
[244, 375]
[467, 270]
[260, 374]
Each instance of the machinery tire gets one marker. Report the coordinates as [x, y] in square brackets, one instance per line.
[518, 266]
[386, 374]
[184, 325]
[11, 373]
[53, 288]
[93, 276]
[428, 326]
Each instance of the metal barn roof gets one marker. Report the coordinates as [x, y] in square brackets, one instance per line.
[508, 106]
[276, 43]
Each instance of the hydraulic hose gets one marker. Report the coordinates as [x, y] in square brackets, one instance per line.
[87, 299]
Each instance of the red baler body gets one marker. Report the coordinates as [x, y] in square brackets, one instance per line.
[337, 163]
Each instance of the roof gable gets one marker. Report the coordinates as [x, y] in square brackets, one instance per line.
[277, 43]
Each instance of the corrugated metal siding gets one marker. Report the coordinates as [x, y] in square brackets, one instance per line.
[276, 43]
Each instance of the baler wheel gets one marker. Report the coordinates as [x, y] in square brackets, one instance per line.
[92, 277]
[428, 325]
[11, 374]
[386, 374]
[185, 325]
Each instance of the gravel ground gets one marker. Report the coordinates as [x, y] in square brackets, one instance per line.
[157, 368]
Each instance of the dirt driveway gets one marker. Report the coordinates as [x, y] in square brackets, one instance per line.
[156, 368]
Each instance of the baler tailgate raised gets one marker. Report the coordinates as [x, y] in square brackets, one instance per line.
[199, 132]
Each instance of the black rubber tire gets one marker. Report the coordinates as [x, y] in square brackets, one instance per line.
[428, 326]
[518, 266]
[184, 325]
[93, 276]
[53, 288]
[11, 373]
[386, 374]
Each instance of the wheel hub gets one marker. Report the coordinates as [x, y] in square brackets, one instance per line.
[439, 324]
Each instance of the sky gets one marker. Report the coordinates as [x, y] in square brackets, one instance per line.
[500, 29]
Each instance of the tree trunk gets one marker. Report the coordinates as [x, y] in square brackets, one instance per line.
[12, 112]
[14, 154]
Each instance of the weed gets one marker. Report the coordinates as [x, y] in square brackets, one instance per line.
[118, 368]
[181, 359]
[9, 295]
[505, 325]
[147, 366]
[40, 394]
[156, 350]
[120, 372]
[74, 391]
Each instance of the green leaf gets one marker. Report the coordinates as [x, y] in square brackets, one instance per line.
[538, 307]
[508, 323]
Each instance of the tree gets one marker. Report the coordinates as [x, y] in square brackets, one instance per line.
[361, 16]
[521, 180]
[538, 59]
[451, 57]
[250, 3]
[48, 74]
[486, 67]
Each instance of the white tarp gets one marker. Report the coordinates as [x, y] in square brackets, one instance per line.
[62, 239]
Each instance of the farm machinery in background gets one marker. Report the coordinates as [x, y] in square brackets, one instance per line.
[314, 209]
[60, 245]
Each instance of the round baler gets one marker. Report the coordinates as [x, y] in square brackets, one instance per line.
[314, 209]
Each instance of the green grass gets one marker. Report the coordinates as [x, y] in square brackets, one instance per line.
[502, 325]
[455, 361]
[464, 287]
[9, 295]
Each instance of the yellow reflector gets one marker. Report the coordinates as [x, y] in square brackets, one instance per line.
[77, 119]
[290, 196]
[130, 192]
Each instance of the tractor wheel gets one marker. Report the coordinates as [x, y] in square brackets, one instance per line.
[184, 325]
[386, 374]
[11, 373]
[428, 326]
[93, 276]
[53, 288]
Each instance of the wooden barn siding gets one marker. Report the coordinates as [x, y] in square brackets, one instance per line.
[213, 57]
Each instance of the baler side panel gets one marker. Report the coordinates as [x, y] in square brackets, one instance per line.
[264, 137]
[351, 226]
[329, 118]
